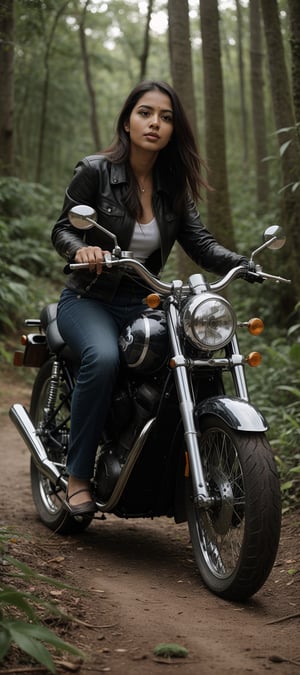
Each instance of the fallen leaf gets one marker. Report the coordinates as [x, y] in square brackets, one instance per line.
[68, 665]
[59, 558]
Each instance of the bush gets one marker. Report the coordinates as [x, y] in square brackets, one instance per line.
[274, 389]
[27, 214]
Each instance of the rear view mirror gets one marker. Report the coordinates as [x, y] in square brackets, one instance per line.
[277, 232]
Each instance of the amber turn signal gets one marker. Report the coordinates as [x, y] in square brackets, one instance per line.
[254, 359]
[23, 340]
[255, 326]
[153, 300]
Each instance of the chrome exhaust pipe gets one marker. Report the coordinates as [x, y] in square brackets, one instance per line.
[19, 416]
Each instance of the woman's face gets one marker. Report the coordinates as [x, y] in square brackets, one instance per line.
[150, 124]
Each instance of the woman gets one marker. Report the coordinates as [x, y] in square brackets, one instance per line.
[143, 188]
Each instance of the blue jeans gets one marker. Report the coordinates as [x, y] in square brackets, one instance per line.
[91, 328]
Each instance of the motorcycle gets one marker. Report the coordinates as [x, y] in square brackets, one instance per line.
[176, 444]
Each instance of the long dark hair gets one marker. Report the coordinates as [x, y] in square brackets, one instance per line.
[179, 162]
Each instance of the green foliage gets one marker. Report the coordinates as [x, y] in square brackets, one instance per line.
[170, 650]
[274, 389]
[18, 198]
[294, 133]
[28, 635]
[27, 256]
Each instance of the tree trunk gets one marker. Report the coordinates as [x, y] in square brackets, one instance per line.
[289, 149]
[6, 87]
[258, 108]
[182, 78]
[89, 81]
[294, 22]
[219, 213]
[45, 90]
[244, 120]
[181, 57]
[145, 53]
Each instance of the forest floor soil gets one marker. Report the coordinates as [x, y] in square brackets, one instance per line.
[132, 585]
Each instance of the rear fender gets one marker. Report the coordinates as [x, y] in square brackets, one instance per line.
[36, 351]
[236, 413]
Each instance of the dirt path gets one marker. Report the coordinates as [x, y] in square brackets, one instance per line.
[143, 588]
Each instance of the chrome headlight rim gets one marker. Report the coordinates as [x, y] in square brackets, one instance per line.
[201, 329]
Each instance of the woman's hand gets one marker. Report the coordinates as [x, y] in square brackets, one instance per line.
[94, 255]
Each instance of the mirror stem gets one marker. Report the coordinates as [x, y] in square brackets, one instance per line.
[262, 247]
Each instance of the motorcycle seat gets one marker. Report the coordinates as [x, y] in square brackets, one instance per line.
[56, 343]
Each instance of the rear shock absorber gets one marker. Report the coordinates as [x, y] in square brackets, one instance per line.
[52, 392]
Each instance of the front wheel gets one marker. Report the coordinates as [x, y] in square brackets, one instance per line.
[236, 540]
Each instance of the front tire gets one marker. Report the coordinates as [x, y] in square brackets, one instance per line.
[47, 499]
[235, 542]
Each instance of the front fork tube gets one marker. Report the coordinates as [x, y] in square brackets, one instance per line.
[238, 371]
[186, 404]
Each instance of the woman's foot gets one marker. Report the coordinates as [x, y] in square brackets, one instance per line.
[79, 498]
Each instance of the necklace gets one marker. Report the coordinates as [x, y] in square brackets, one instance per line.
[144, 184]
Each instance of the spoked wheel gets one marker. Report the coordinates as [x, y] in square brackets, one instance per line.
[47, 498]
[236, 540]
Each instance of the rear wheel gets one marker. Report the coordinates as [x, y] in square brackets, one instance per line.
[235, 542]
[54, 434]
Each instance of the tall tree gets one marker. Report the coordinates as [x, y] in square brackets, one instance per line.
[145, 52]
[244, 117]
[289, 146]
[294, 22]
[6, 87]
[258, 108]
[49, 33]
[181, 56]
[219, 213]
[89, 80]
[182, 78]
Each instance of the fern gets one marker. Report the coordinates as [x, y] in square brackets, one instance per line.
[28, 635]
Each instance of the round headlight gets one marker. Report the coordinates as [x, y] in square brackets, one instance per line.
[209, 321]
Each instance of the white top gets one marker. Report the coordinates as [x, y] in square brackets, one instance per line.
[145, 240]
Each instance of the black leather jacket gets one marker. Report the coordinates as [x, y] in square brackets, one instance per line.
[100, 184]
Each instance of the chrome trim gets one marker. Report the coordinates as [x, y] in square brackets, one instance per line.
[21, 419]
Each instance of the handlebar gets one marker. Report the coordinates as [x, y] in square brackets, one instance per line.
[160, 286]
[164, 288]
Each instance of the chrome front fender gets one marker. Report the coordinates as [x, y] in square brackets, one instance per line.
[238, 414]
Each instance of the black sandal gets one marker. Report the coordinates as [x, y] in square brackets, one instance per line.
[86, 508]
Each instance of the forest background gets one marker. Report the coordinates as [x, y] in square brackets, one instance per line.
[66, 67]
